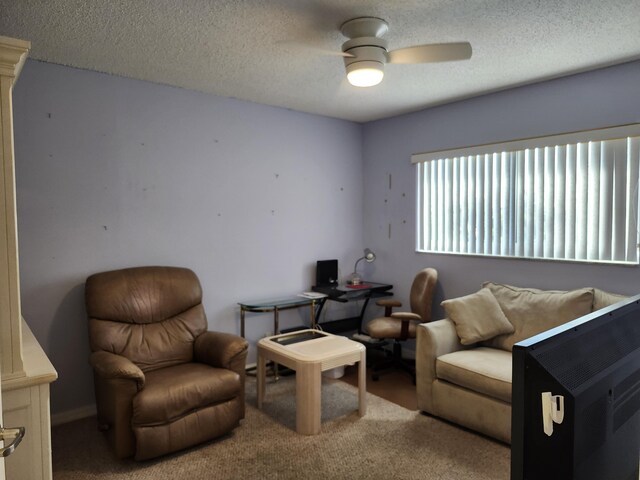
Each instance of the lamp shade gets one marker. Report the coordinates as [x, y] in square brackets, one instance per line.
[365, 73]
[369, 256]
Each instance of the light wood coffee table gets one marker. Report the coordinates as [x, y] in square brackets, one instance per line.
[309, 353]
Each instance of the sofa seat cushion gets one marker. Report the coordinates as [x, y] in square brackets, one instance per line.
[532, 311]
[172, 392]
[483, 370]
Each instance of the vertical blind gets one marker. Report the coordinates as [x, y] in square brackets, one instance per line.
[566, 197]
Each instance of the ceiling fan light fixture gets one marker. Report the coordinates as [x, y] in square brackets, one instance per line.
[365, 73]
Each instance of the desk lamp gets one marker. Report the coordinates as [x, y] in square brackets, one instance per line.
[369, 256]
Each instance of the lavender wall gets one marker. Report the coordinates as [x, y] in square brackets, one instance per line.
[597, 99]
[113, 172]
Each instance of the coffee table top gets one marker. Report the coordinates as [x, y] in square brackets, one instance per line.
[322, 347]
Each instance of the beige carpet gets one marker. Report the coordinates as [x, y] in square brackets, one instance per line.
[390, 442]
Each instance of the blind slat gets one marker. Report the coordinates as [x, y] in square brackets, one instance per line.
[559, 196]
[593, 201]
[605, 219]
[548, 187]
[582, 200]
[633, 216]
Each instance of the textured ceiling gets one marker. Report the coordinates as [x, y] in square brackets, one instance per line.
[249, 49]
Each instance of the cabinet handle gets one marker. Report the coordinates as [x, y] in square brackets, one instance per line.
[13, 434]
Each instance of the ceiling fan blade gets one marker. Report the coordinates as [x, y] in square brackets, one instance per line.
[326, 51]
[435, 52]
[295, 46]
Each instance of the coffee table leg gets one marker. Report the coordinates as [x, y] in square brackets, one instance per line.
[260, 377]
[308, 397]
[362, 384]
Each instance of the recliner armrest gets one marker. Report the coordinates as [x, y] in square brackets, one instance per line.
[112, 366]
[434, 339]
[222, 350]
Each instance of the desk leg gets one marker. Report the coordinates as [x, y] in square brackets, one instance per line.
[261, 375]
[364, 308]
[362, 383]
[308, 397]
[313, 314]
[276, 331]
[242, 322]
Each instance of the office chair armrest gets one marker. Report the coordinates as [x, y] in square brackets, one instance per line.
[111, 366]
[223, 350]
[388, 304]
[406, 316]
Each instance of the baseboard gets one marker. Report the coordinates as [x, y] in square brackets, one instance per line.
[71, 415]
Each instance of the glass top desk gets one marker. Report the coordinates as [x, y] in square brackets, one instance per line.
[345, 293]
[277, 305]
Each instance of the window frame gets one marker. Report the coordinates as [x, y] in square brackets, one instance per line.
[506, 147]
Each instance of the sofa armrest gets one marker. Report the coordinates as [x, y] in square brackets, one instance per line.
[433, 340]
[222, 350]
[111, 366]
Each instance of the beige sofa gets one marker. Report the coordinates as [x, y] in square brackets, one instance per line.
[470, 384]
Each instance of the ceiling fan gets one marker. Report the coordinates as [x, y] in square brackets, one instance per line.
[365, 53]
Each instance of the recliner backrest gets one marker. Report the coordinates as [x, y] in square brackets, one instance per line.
[150, 315]
[422, 290]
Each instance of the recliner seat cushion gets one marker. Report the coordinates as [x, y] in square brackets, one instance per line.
[172, 392]
[483, 370]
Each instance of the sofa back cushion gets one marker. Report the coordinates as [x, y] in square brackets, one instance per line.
[603, 299]
[532, 311]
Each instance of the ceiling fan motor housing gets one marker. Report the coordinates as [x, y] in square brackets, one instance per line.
[366, 53]
[365, 43]
[364, 27]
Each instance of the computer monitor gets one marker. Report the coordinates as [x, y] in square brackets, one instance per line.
[326, 273]
[576, 399]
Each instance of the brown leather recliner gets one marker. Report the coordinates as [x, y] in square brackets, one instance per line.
[162, 381]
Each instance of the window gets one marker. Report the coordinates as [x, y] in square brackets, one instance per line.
[566, 197]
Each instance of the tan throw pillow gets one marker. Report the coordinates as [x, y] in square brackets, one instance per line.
[532, 311]
[603, 299]
[477, 317]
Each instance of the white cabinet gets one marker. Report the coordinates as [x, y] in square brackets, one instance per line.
[25, 403]
[25, 369]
